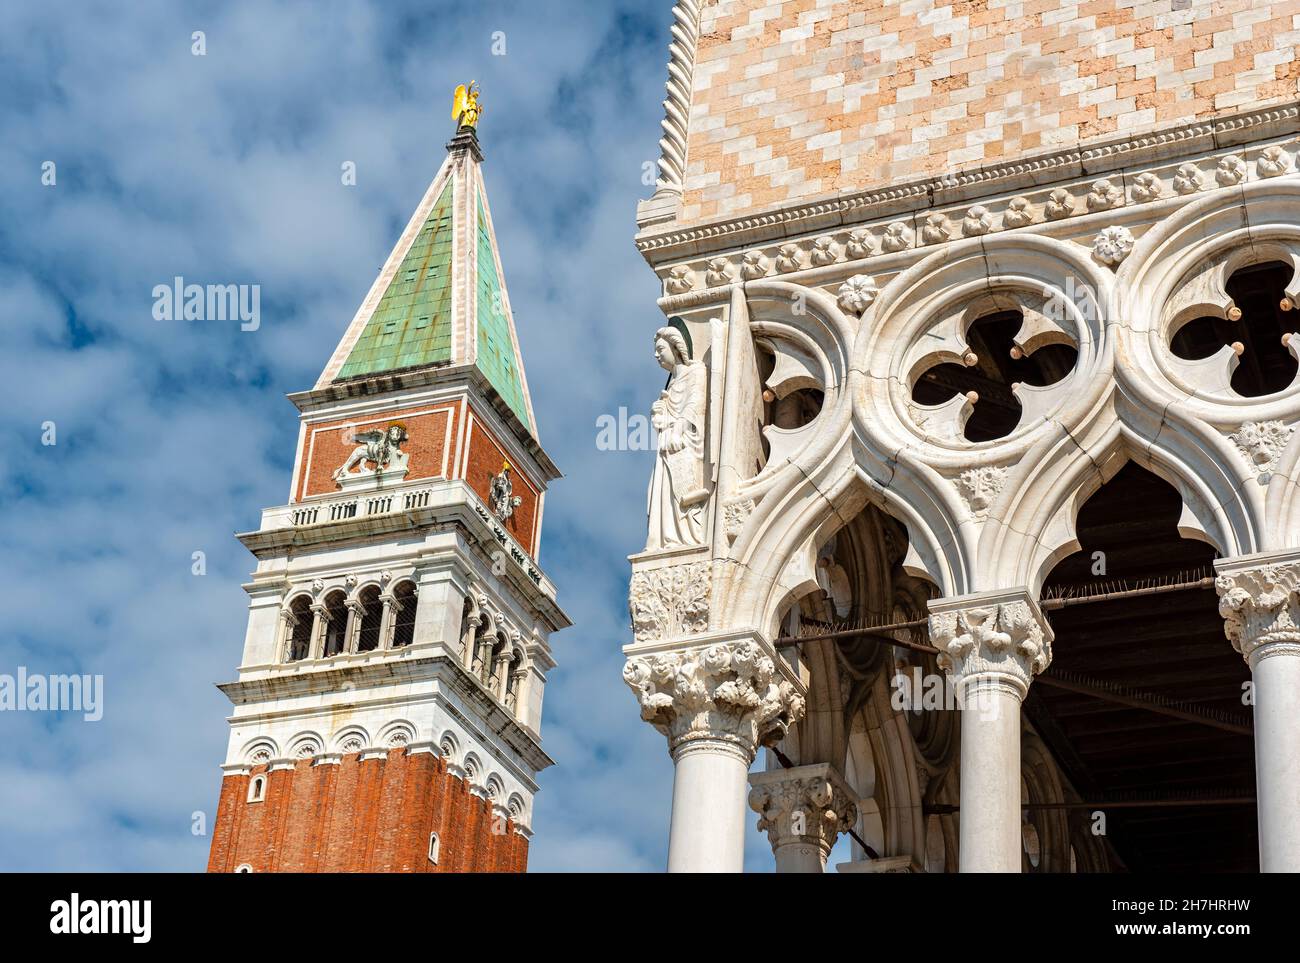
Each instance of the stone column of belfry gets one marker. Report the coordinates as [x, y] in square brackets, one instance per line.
[1260, 603]
[992, 644]
[716, 702]
[803, 810]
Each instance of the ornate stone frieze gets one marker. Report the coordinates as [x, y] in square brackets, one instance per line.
[666, 603]
[824, 252]
[1059, 204]
[753, 266]
[1147, 187]
[808, 805]
[1195, 138]
[729, 691]
[1007, 639]
[980, 486]
[1231, 171]
[679, 280]
[1104, 196]
[789, 258]
[1273, 161]
[719, 273]
[1261, 444]
[861, 244]
[977, 221]
[1019, 213]
[898, 237]
[1260, 607]
[1188, 180]
[936, 229]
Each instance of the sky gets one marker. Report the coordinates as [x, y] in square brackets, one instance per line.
[170, 436]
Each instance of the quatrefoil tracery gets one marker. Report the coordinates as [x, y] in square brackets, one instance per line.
[985, 369]
[1230, 326]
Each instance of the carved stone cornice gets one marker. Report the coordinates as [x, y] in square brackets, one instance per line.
[1259, 599]
[991, 637]
[804, 805]
[731, 692]
[663, 240]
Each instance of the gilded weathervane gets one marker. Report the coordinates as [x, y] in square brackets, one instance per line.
[465, 109]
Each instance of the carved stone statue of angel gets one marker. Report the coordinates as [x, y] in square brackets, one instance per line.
[675, 502]
[501, 494]
[384, 448]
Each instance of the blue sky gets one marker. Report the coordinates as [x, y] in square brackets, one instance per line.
[173, 435]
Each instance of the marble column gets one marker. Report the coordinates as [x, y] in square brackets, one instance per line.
[803, 811]
[716, 703]
[991, 644]
[1259, 599]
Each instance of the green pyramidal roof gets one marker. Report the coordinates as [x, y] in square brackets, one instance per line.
[496, 347]
[412, 323]
[445, 301]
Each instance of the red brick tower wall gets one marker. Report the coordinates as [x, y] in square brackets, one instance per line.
[371, 816]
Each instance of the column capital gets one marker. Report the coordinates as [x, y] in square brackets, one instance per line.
[803, 806]
[992, 638]
[736, 691]
[1259, 599]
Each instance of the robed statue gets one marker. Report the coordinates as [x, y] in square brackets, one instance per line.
[677, 488]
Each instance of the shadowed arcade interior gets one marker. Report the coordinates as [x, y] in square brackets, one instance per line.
[1170, 645]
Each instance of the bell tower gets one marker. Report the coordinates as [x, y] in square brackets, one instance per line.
[387, 709]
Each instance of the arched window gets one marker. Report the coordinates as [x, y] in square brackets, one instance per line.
[257, 789]
[434, 847]
[404, 620]
[244, 868]
[492, 666]
[336, 624]
[371, 615]
[514, 677]
[300, 628]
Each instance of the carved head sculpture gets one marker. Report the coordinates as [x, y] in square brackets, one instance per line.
[670, 348]
[397, 434]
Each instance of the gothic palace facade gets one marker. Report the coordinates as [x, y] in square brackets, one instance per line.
[976, 493]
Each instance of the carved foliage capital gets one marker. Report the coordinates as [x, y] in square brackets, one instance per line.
[1261, 606]
[1006, 639]
[730, 691]
[806, 804]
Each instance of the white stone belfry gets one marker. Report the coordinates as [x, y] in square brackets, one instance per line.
[398, 614]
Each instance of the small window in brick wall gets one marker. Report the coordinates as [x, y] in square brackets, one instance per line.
[244, 868]
[434, 846]
[257, 789]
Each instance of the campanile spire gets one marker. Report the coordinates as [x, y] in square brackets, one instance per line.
[387, 709]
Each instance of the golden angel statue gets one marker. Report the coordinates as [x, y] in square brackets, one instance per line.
[465, 109]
